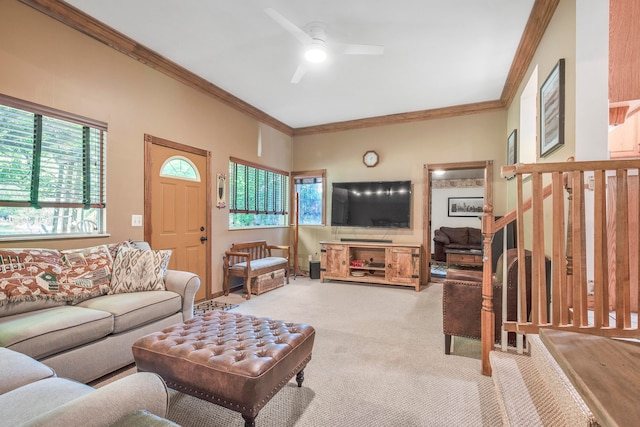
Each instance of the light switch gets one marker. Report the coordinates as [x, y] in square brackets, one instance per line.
[136, 220]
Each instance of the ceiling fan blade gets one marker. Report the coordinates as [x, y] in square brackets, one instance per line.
[359, 49]
[300, 72]
[289, 26]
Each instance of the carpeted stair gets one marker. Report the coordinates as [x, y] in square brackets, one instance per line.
[533, 390]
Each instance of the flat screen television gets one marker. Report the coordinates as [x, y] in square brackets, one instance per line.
[382, 204]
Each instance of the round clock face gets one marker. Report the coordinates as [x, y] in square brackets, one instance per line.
[370, 158]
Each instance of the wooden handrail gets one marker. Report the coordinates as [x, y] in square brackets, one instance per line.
[598, 199]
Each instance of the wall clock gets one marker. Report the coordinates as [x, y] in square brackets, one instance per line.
[370, 158]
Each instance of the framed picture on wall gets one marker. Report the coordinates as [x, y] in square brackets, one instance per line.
[552, 111]
[466, 206]
[512, 148]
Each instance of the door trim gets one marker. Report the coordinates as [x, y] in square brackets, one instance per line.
[487, 165]
[150, 140]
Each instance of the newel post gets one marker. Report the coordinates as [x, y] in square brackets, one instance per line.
[487, 318]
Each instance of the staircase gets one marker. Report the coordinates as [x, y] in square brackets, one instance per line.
[533, 390]
[569, 379]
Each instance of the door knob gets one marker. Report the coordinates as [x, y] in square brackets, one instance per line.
[203, 239]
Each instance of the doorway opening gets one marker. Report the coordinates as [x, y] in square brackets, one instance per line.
[454, 194]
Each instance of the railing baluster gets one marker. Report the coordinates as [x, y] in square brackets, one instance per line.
[580, 316]
[522, 278]
[538, 312]
[623, 300]
[558, 298]
[600, 273]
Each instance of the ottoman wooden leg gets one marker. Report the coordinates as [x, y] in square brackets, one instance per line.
[300, 378]
[249, 421]
[447, 344]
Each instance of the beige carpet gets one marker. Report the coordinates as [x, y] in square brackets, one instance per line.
[378, 360]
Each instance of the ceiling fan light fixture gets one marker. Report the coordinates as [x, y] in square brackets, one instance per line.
[316, 52]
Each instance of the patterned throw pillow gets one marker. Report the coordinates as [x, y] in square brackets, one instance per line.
[139, 270]
[41, 274]
[87, 267]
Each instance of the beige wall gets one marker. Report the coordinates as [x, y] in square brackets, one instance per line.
[53, 65]
[48, 63]
[403, 150]
[559, 41]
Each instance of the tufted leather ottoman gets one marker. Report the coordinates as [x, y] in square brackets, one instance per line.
[233, 360]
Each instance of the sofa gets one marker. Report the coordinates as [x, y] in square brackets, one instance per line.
[79, 311]
[462, 238]
[32, 394]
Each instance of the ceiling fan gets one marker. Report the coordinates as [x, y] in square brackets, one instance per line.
[315, 45]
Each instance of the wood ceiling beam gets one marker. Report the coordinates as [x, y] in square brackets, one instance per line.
[539, 18]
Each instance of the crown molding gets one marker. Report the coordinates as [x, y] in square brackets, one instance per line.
[80, 21]
[539, 18]
[436, 113]
[541, 14]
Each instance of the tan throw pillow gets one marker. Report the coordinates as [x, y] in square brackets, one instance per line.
[137, 270]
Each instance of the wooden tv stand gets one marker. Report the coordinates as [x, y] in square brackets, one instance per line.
[383, 263]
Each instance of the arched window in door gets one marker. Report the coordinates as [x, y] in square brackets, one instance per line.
[180, 167]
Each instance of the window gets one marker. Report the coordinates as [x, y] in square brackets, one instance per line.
[180, 167]
[258, 196]
[310, 188]
[51, 171]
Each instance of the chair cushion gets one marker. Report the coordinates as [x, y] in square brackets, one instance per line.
[271, 261]
[45, 332]
[131, 310]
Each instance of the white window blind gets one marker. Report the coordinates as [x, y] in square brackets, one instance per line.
[49, 161]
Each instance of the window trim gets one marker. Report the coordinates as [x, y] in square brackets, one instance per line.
[50, 112]
[319, 173]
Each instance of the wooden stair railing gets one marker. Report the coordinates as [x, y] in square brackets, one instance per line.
[578, 199]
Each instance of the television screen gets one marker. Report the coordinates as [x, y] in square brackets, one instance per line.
[371, 204]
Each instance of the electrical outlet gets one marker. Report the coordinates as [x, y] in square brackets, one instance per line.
[136, 220]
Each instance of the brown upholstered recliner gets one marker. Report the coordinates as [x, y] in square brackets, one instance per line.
[462, 299]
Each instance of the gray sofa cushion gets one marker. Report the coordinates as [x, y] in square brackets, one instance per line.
[19, 369]
[21, 405]
[25, 306]
[45, 332]
[131, 310]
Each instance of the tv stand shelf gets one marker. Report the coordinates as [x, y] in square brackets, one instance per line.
[369, 262]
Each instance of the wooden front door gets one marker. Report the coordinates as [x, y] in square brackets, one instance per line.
[177, 206]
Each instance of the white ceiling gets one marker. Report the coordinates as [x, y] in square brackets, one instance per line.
[437, 53]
